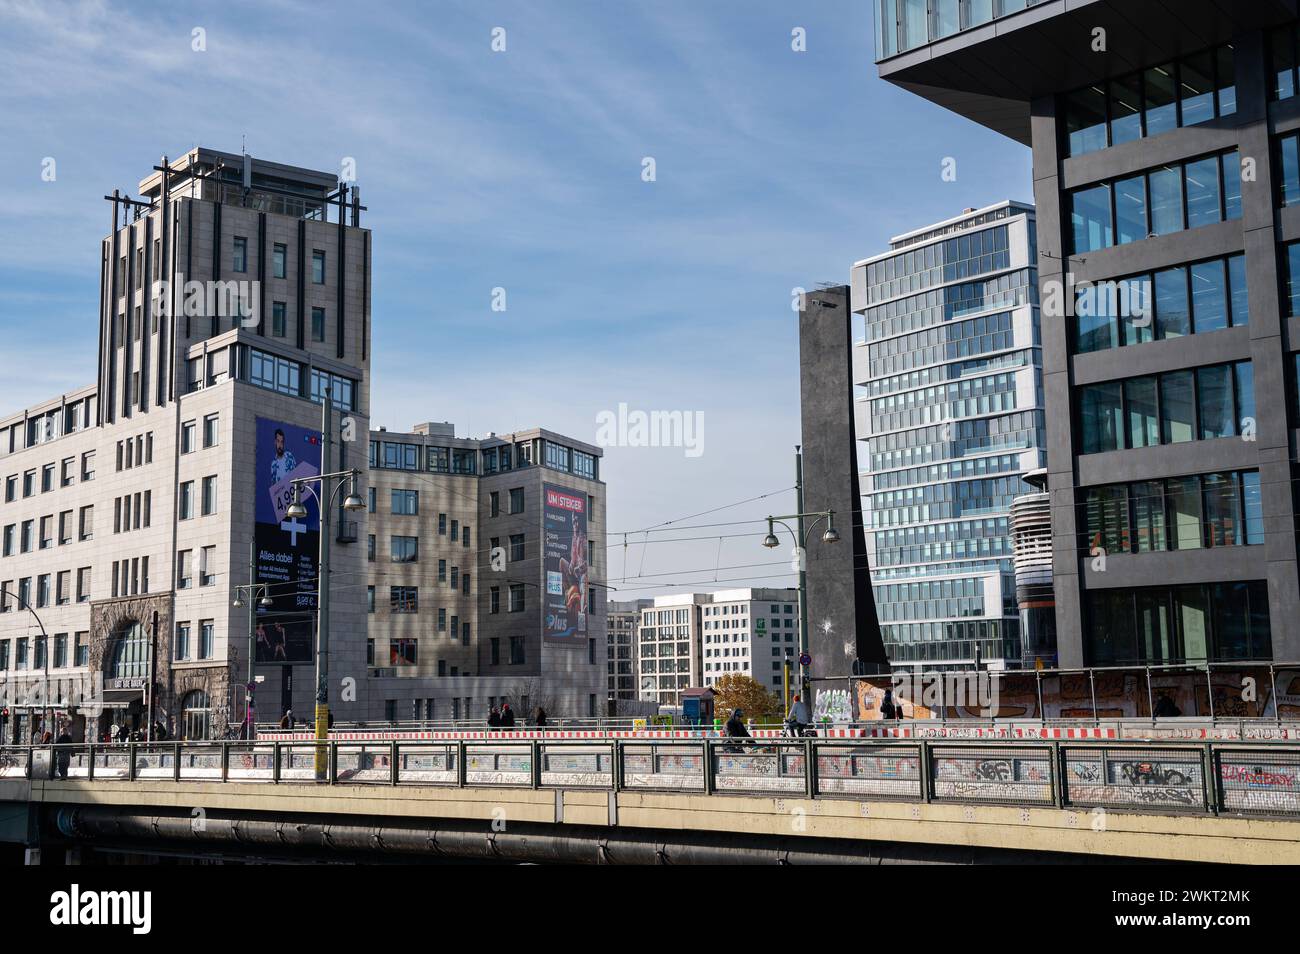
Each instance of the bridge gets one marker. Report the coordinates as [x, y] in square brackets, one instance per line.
[663, 799]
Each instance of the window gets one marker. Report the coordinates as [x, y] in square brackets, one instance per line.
[207, 566]
[405, 549]
[317, 267]
[494, 599]
[279, 260]
[370, 599]
[86, 522]
[187, 437]
[62, 588]
[516, 547]
[187, 500]
[239, 260]
[517, 657]
[211, 430]
[1149, 102]
[404, 599]
[494, 503]
[207, 638]
[1177, 513]
[318, 324]
[65, 527]
[1193, 623]
[209, 505]
[402, 652]
[1152, 202]
[183, 578]
[67, 472]
[181, 648]
[88, 466]
[47, 478]
[517, 500]
[1171, 408]
[83, 584]
[405, 502]
[516, 597]
[278, 318]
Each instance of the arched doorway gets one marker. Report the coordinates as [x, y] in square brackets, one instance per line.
[196, 715]
[126, 676]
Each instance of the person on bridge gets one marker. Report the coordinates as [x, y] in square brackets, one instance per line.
[494, 718]
[64, 756]
[507, 716]
[797, 718]
[887, 710]
[286, 720]
[541, 716]
[736, 728]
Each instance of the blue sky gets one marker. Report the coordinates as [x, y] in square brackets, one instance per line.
[522, 170]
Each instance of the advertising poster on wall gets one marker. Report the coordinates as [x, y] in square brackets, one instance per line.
[564, 552]
[287, 548]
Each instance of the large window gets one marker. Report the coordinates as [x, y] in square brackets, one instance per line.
[406, 502]
[1170, 408]
[1177, 513]
[1156, 202]
[1218, 622]
[130, 653]
[1192, 90]
[405, 549]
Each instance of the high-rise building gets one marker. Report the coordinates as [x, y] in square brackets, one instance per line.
[1166, 172]
[622, 619]
[689, 640]
[486, 574]
[948, 371]
[233, 293]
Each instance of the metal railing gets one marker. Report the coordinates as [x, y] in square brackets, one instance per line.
[1207, 778]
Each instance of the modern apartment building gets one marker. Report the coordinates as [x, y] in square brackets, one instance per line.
[233, 293]
[1166, 172]
[623, 618]
[688, 640]
[948, 369]
[486, 574]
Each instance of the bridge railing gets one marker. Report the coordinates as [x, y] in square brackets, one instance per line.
[1210, 777]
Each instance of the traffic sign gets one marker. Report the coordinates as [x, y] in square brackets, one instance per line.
[805, 659]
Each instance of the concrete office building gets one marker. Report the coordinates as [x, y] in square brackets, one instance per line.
[947, 365]
[688, 640]
[129, 505]
[469, 606]
[623, 618]
[1166, 173]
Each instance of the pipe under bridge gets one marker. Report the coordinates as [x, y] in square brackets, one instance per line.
[665, 800]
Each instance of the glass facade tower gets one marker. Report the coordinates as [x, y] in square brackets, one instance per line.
[949, 407]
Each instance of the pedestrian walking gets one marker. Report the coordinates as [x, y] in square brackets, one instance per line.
[507, 716]
[494, 718]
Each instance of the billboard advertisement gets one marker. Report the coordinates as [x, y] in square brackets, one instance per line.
[287, 549]
[564, 555]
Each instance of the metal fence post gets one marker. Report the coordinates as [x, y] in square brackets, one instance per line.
[176, 769]
[1211, 787]
[225, 761]
[708, 767]
[1209, 692]
[90, 763]
[927, 771]
[1272, 693]
[31, 762]
[1092, 690]
[1058, 776]
[810, 767]
[275, 762]
[616, 766]
[535, 758]
[393, 755]
[460, 763]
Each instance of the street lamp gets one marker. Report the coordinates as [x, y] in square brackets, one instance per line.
[801, 534]
[325, 495]
[252, 588]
